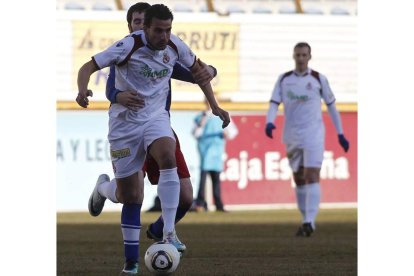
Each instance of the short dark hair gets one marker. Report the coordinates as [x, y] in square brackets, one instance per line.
[302, 44]
[138, 7]
[158, 11]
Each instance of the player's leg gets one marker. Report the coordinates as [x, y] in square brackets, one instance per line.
[186, 189]
[313, 158]
[163, 151]
[127, 154]
[155, 230]
[186, 198]
[313, 197]
[299, 178]
[130, 191]
[215, 179]
[295, 157]
[160, 144]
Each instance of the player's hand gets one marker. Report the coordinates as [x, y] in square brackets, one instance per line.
[82, 98]
[343, 142]
[224, 116]
[131, 100]
[204, 75]
[269, 130]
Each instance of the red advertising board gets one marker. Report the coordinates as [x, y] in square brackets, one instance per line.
[257, 170]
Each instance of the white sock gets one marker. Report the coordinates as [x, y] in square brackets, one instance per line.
[301, 199]
[108, 190]
[313, 198]
[169, 193]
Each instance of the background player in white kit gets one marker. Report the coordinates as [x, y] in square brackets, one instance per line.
[144, 62]
[301, 91]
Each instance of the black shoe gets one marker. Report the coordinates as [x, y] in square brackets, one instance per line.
[307, 229]
[151, 235]
[130, 267]
[221, 210]
[300, 232]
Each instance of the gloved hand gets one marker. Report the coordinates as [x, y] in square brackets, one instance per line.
[343, 142]
[269, 129]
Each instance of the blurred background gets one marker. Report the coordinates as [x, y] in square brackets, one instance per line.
[250, 42]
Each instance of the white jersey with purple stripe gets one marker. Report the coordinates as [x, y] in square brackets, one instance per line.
[301, 97]
[144, 70]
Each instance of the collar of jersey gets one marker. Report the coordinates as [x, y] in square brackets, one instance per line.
[144, 39]
[303, 74]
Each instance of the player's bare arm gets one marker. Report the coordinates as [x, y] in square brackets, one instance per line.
[84, 75]
[131, 100]
[208, 92]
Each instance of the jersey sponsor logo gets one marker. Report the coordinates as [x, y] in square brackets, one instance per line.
[293, 96]
[150, 73]
[119, 44]
[120, 153]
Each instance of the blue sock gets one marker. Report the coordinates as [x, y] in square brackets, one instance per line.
[158, 225]
[131, 226]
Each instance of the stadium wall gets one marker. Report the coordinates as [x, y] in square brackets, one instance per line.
[249, 51]
[256, 174]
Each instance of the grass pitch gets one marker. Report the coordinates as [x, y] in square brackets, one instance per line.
[234, 243]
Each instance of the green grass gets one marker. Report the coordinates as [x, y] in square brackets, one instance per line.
[234, 243]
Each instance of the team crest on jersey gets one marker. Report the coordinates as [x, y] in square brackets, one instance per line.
[166, 57]
[309, 86]
[119, 44]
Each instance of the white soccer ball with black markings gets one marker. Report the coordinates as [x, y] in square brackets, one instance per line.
[162, 258]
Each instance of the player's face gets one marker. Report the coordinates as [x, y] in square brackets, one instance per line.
[158, 34]
[301, 56]
[137, 22]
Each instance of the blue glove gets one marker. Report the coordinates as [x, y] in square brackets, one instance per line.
[343, 142]
[269, 129]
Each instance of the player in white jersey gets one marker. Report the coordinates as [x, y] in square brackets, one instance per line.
[144, 62]
[301, 91]
[106, 188]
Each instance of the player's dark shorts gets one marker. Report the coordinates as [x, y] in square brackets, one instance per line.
[151, 167]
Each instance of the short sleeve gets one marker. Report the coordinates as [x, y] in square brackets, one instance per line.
[115, 54]
[185, 55]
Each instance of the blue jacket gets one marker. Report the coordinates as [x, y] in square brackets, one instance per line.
[211, 143]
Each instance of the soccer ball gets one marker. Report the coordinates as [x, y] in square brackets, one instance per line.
[162, 258]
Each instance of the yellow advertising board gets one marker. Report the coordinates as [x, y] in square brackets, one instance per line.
[214, 43]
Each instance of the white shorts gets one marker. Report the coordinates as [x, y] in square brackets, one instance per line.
[129, 142]
[309, 157]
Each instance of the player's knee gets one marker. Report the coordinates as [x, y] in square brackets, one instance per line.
[299, 178]
[167, 161]
[130, 197]
[312, 177]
